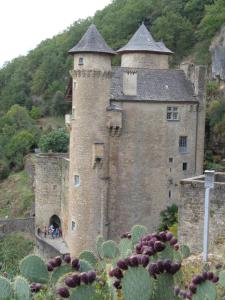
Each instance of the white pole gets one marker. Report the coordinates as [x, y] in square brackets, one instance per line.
[206, 226]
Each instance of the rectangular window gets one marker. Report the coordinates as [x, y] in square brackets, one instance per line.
[73, 226]
[170, 159]
[169, 194]
[172, 113]
[81, 61]
[185, 166]
[183, 144]
[76, 180]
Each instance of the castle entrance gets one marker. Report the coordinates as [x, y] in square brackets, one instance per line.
[55, 221]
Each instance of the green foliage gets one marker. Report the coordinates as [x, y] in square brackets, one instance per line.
[137, 232]
[89, 257]
[35, 113]
[6, 291]
[168, 217]
[4, 169]
[55, 141]
[22, 289]
[13, 248]
[33, 268]
[110, 249]
[137, 284]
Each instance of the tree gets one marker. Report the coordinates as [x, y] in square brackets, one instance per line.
[55, 141]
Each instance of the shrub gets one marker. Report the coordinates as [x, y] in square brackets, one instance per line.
[55, 141]
[35, 113]
[4, 169]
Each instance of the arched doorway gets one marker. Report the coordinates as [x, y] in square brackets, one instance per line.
[55, 221]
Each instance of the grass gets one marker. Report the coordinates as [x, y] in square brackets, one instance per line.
[13, 248]
[16, 196]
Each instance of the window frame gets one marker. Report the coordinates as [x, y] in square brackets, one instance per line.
[172, 113]
[81, 61]
[76, 180]
[183, 144]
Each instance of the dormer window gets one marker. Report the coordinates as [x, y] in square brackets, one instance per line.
[81, 61]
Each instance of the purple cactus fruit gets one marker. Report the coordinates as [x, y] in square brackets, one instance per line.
[128, 235]
[197, 279]
[153, 269]
[63, 292]
[169, 236]
[58, 261]
[122, 264]
[123, 236]
[210, 275]
[189, 295]
[117, 284]
[133, 261]
[118, 273]
[176, 247]
[91, 276]
[163, 236]
[76, 279]
[144, 260]
[176, 291]
[193, 288]
[174, 268]
[70, 282]
[50, 267]
[167, 265]
[111, 273]
[38, 287]
[160, 266]
[67, 258]
[53, 263]
[205, 276]
[75, 263]
[218, 266]
[173, 241]
[215, 279]
[138, 248]
[148, 251]
[5, 274]
[159, 246]
[84, 278]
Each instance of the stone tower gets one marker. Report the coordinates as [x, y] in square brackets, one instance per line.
[88, 179]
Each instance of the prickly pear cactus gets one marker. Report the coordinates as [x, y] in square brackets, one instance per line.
[34, 269]
[59, 272]
[22, 289]
[205, 291]
[6, 291]
[125, 246]
[185, 251]
[99, 242]
[164, 286]
[110, 249]
[85, 266]
[137, 232]
[89, 257]
[136, 284]
[167, 253]
[82, 292]
[222, 278]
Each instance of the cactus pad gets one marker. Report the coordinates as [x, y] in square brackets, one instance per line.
[125, 246]
[85, 266]
[34, 269]
[110, 249]
[222, 278]
[164, 284]
[185, 251]
[205, 291]
[6, 291]
[22, 289]
[137, 232]
[137, 285]
[82, 292]
[99, 242]
[89, 257]
[59, 272]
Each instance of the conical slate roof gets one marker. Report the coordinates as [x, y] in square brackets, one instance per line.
[142, 41]
[92, 41]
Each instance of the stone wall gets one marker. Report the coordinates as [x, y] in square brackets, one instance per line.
[145, 60]
[191, 213]
[8, 226]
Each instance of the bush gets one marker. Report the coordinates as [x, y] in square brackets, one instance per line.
[55, 141]
[169, 217]
[35, 113]
[4, 169]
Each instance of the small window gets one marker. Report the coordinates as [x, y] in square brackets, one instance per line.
[74, 85]
[183, 144]
[170, 159]
[172, 113]
[185, 166]
[76, 180]
[73, 225]
[81, 61]
[169, 194]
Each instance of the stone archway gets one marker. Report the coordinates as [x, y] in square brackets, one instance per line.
[55, 221]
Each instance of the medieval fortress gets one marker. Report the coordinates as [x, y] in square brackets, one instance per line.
[136, 130]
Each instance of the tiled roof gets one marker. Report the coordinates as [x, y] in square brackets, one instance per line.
[142, 41]
[154, 85]
[92, 41]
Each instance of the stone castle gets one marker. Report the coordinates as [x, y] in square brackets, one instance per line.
[136, 130]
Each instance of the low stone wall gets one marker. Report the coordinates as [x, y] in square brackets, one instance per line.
[8, 226]
[44, 249]
[191, 213]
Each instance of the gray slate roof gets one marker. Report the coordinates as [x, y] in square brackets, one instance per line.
[154, 85]
[142, 41]
[92, 41]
